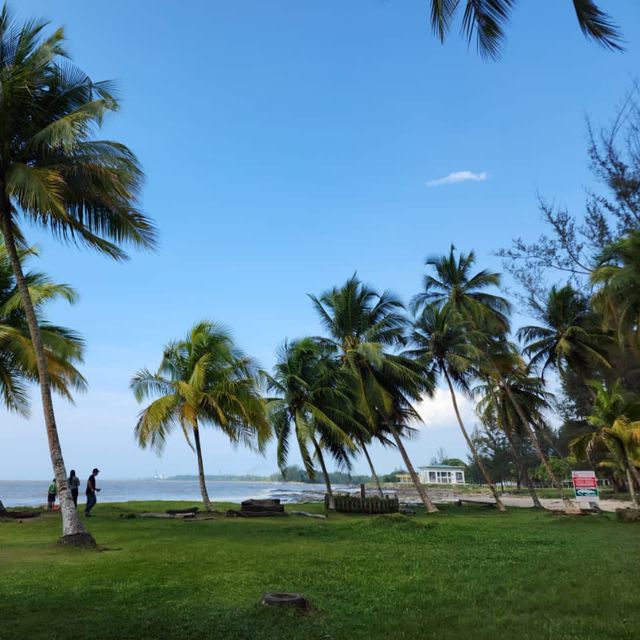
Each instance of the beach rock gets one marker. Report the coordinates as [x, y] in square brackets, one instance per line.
[628, 515]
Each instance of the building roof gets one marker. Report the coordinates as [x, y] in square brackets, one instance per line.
[442, 466]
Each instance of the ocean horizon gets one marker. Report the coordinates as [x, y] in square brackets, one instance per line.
[31, 493]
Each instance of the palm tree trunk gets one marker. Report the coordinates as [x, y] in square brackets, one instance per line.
[536, 443]
[325, 473]
[73, 531]
[422, 492]
[632, 474]
[522, 468]
[203, 485]
[483, 470]
[371, 467]
[632, 489]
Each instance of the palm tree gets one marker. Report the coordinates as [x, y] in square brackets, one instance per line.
[312, 403]
[55, 175]
[616, 426]
[366, 329]
[495, 408]
[446, 345]
[570, 338]
[454, 287]
[62, 347]
[504, 367]
[486, 20]
[202, 380]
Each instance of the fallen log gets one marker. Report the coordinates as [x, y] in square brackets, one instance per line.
[235, 513]
[306, 514]
[178, 512]
[484, 503]
[168, 516]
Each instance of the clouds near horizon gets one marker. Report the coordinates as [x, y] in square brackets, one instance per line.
[458, 176]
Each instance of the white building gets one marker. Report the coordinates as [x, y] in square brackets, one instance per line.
[441, 474]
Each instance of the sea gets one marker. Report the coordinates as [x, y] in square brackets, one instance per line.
[17, 493]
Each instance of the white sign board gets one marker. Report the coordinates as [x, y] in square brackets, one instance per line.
[585, 485]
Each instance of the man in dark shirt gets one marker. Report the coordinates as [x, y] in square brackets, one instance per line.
[91, 492]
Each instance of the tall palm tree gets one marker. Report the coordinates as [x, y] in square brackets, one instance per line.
[202, 380]
[455, 287]
[367, 329]
[55, 175]
[487, 19]
[62, 347]
[312, 403]
[446, 345]
[616, 426]
[570, 337]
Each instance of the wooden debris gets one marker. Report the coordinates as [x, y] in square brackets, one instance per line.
[180, 512]
[168, 516]
[357, 504]
[258, 508]
[308, 515]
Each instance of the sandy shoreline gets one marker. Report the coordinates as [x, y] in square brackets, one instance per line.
[444, 496]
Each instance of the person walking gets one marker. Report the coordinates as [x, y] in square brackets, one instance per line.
[51, 495]
[91, 492]
[74, 485]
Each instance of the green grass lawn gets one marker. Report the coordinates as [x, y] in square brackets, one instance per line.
[464, 573]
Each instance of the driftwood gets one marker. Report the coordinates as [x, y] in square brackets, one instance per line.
[308, 515]
[168, 516]
[179, 512]
[484, 503]
[17, 515]
[235, 513]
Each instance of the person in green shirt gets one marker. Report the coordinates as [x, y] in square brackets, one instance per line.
[51, 495]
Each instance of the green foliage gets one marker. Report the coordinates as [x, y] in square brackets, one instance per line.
[485, 21]
[53, 173]
[63, 348]
[202, 379]
[312, 402]
[560, 469]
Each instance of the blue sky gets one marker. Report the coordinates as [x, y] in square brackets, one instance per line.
[288, 144]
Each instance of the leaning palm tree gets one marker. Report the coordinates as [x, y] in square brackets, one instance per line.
[202, 380]
[503, 367]
[62, 347]
[616, 426]
[495, 408]
[486, 20]
[55, 175]
[570, 337]
[367, 329]
[312, 403]
[447, 346]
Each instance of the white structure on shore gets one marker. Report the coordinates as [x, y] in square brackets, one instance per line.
[441, 474]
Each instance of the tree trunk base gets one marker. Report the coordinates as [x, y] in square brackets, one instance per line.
[81, 540]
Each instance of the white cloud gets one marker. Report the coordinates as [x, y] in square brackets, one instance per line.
[458, 176]
[437, 412]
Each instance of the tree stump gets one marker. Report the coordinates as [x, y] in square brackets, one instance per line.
[294, 600]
